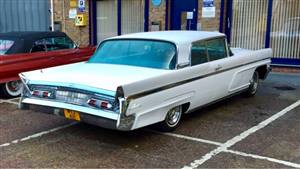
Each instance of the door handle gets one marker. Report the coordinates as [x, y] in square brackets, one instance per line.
[218, 68]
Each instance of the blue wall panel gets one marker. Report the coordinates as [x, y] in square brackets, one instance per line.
[24, 15]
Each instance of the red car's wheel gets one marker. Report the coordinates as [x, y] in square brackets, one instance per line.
[12, 89]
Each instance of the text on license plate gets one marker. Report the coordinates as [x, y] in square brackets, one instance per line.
[70, 114]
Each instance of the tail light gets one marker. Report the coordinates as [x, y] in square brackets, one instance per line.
[106, 105]
[42, 94]
[99, 104]
[46, 94]
[36, 93]
[92, 102]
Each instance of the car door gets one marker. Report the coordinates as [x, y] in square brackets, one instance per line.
[219, 59]
[13, 64]
[62, 50]
[205, 85]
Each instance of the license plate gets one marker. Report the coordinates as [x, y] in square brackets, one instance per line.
[70, 114]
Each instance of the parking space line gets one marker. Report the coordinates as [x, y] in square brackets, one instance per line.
[286, 163]
[242, 136]
[37, 135]
[9, 101]
[187, 137]
[222, 147]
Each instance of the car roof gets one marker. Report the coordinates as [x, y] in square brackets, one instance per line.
[24, 40]
[29, 35]
[182, 39]
[178, 37]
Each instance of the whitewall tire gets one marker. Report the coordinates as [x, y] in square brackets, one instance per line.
[12, 89]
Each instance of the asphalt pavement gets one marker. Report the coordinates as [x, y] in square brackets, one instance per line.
[257, 132]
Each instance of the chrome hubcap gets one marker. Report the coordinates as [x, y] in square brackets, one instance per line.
[14, 88]
[254, 83]
[173, 116]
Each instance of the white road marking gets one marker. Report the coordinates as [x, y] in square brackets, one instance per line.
[37, 135]
[286, 163]
[187, 137]
[223, 147]
[16, 99]
[236, 139]
[9, 101]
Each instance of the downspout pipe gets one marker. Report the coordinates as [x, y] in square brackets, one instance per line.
[52, 15]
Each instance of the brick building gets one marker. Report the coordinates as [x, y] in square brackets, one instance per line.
[115, 17]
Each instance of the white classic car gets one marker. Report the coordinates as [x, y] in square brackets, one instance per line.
[140, 79]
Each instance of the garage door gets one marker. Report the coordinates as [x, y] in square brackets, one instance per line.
[132, 16]
[258, 24]
[24, 15]
[119, 17]
[106, 19]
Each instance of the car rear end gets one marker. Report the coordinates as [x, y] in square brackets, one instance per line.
[80, 103]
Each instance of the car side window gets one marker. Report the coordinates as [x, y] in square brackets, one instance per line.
[38, 46]
[57, 43]
[198, 53]
[5, 45]
[216, 49]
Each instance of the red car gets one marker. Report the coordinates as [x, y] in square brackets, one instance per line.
[26, 51]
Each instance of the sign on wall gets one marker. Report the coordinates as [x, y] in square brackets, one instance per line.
[72, 13]
[189, 15]
[81, 5]
[73, 3]
[208, 9]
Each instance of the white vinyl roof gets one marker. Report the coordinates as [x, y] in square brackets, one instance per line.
[182, 39]
[177, 37]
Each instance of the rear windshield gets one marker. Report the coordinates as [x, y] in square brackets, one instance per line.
[132, 52]
[5, 45]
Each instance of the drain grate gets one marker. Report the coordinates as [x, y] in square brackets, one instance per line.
[284, 88]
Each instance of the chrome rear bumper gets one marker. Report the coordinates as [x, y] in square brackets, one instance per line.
[105, 119]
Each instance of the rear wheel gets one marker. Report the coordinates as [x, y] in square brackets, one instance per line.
[172, 119]
[12, 89]
[254, 83]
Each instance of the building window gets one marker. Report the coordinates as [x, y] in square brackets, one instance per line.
[132, 16]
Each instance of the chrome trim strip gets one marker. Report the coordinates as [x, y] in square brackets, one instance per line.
[124, 122]
[24, 80]
[74, 86]
[155, 90]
